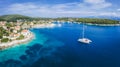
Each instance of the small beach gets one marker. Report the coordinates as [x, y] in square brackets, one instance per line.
[51, 25]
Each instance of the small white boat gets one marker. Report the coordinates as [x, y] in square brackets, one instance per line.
[83, 39]
[59, 25]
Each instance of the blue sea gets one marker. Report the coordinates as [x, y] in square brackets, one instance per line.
[58, 47]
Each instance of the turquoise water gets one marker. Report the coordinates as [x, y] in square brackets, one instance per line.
[58, 47]
[27, 53]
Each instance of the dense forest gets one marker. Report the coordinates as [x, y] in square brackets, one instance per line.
[90, 20]
[97, 21]
[16, 17]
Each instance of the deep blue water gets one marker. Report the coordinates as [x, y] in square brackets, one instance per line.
[58, 47]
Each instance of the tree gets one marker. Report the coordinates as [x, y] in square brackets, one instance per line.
[4, 40]
[1, 36]
[20, 37]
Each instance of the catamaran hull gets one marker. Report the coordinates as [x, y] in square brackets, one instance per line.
[84, 40]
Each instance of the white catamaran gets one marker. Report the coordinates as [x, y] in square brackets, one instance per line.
[83, 39]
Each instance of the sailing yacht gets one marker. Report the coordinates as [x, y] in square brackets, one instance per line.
[83, 39]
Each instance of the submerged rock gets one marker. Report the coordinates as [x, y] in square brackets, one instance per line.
[23, 57]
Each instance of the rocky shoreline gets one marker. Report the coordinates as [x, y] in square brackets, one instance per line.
[100, 24]
[104, 24]
[17, 42]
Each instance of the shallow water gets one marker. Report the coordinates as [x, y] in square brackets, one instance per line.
[58, 47]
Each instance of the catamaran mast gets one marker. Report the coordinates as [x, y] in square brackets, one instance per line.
[83, 31]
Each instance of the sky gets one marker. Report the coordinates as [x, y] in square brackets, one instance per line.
[61, 8]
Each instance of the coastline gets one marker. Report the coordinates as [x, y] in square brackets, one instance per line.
[27, 39]
[44, 26]
[16, 42]
[103, 24]
[99, 24]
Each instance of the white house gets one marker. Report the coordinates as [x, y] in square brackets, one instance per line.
[25, 33]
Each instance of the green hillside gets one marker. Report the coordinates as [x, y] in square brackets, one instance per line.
[14, 17]
[97, 21]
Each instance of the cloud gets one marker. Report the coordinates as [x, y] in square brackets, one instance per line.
[97, 4]
[76, 9]
[109, 14]
[94, 1]
[118, 9]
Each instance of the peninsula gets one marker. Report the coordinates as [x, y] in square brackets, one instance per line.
[16, 32]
